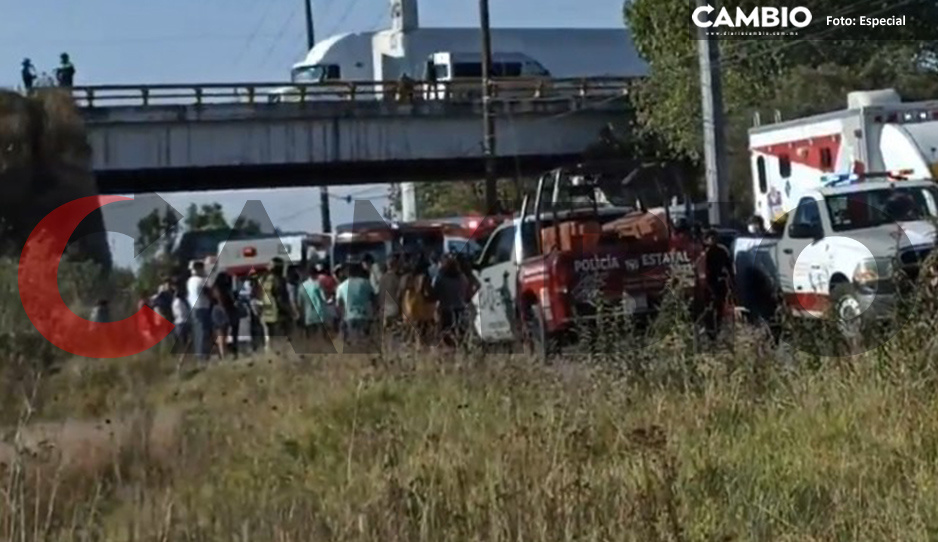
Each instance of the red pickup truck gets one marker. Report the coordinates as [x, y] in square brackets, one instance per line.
[544, 274]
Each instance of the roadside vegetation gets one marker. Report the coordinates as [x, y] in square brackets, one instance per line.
[671, 441]
[642, 436]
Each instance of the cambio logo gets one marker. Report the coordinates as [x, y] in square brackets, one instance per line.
[798, 17]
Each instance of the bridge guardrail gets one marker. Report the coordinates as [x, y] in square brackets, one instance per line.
[398, 91]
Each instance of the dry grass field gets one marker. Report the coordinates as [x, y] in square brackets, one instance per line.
[657, 443]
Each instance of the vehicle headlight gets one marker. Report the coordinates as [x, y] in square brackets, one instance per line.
[871, 270]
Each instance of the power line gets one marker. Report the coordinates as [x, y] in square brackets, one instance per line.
[376, 25]
[283, 31]
[257, 28]
[348, 10]
[362, 194]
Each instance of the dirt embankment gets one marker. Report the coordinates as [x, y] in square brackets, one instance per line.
[92, 446]
[45, 161]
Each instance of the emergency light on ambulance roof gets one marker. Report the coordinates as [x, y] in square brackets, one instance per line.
[842, 179]
[249, 252]
[910, 116]
[473, 224]
[839, 179]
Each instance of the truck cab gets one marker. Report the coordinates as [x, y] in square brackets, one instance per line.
[328, 67]
[839, 248]
[316, 82]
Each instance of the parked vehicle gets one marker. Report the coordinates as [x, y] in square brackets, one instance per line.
[877, 132]
[240, 256]
[839, 248]
[569, 252]
[381, 239]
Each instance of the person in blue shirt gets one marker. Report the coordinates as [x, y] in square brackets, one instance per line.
[356, 301]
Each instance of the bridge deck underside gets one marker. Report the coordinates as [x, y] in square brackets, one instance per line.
[320, 174]
[219, 147]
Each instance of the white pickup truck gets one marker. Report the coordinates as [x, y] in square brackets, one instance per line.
[838, 249]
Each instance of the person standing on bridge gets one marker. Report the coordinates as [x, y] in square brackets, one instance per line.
[65, 73]
[29, 74]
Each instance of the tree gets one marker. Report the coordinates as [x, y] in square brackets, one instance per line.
[156, 238]
[799, 76]
[208, 217]
[158, 234]
[157, 231]
[247, 226]
[455, 198]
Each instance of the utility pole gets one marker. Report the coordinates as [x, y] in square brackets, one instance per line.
[713, 124]
[323, 190]
[488, 120]
[310, 34]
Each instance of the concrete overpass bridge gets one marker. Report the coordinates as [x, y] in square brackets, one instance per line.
[229, 136]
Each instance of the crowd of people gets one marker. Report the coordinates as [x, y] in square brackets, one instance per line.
[410, 297]
[64, 74]
[413, 298]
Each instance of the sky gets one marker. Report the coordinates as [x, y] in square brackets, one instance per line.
[206, 41]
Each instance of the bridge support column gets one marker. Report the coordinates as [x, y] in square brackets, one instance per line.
[408, 202]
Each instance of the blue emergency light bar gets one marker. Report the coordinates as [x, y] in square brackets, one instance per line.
[845, 179]
[839, 179]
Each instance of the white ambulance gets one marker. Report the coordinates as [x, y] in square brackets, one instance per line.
[877, 132]
[238, 257]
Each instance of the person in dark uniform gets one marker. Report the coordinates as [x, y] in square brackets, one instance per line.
[29, 74]
[65, 73]
[718, 278]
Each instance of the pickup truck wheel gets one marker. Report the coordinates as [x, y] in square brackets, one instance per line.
[848, 311]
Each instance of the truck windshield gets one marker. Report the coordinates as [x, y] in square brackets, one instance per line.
[871, 208]
[343, 252]
[307, 74]
[316, 73]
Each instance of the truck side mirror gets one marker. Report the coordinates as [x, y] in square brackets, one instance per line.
[818, 232]
[806, 231]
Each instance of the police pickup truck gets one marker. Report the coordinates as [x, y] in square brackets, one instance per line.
[838, 249]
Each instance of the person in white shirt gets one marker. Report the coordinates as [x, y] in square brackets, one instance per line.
[200, 304]
[180, 317]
